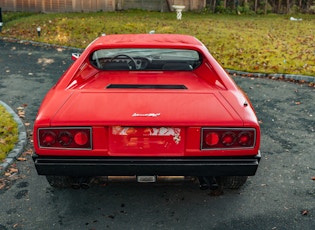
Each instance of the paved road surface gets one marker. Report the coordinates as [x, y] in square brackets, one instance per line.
[276, 198]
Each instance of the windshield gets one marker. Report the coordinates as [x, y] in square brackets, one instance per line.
[146, 59]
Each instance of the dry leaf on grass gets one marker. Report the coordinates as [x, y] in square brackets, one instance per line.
[2, 141]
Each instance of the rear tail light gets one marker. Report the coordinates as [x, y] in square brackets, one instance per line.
[65, 138]
[228, 138]
[212, 139]
[244, 138]
[81, 138]
[48, 138]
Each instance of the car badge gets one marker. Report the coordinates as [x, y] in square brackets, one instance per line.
[146, 114]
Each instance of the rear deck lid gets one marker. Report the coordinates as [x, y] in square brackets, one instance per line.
[146, 108]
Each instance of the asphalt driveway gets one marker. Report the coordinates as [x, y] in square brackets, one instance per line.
[280, 196]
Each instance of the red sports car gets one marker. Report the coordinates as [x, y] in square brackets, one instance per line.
[146, 106]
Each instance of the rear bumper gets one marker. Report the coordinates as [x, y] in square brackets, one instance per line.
[122, 166]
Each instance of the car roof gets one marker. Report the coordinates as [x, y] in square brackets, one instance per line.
[152, 40]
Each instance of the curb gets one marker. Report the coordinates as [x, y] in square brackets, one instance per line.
[42, 44]
[19, 146]
[278, 76]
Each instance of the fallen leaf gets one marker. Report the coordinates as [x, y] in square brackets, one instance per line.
[21, 159]
[2, 185]
[304, 212]
[29, 152]
[313, 178]
[21, 112]
[13, 170]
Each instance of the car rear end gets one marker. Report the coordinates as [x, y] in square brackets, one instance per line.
[147, 121]
[148, 133]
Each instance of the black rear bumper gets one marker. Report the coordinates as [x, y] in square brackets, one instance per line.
[122, 166]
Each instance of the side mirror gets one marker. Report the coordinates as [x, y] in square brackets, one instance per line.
[75, 56]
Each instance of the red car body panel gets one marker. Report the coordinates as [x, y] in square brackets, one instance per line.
[146, 122]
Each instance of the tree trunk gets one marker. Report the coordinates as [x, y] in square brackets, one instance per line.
[214, 5]
[169, 5]
[288, 6]
[279, 7]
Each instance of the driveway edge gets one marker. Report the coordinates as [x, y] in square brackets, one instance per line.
[277, 76]
[19, 146]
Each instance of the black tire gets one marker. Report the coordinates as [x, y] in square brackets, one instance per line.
[232, 182]
[60, 181]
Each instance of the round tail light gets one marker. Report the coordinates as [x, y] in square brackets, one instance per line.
[244, 139]
[212, 139]
[228, 139]
[81, 138]
[65, 138]
[48, 138]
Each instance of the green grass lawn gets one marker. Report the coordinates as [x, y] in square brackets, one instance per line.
[8, 132]
[268, 44]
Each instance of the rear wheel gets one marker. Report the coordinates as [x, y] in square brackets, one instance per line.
[232, 182]
[60, 181]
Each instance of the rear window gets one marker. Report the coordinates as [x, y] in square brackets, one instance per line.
[146, 59]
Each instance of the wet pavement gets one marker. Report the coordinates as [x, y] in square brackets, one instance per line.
[280, 196]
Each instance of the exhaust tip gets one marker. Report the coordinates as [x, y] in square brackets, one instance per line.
[75, 186]
[208, 183]
[85, 186]
[81, 182]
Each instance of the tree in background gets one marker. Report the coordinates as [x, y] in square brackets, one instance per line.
[261, 6]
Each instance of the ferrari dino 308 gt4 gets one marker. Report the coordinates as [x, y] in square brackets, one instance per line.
[146, 106]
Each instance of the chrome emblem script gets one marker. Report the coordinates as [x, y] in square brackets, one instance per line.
[146, 114]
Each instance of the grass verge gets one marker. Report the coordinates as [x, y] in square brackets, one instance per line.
[8, 132]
